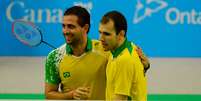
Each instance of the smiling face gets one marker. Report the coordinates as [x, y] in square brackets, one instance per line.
[108, 36]
[72, 31]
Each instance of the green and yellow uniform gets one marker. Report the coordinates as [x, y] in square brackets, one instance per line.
[125, 74]
[87, 70]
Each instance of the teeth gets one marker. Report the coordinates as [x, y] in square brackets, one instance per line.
[67, 33]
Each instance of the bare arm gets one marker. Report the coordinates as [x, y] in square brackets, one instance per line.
[143, 59]
[51, 92]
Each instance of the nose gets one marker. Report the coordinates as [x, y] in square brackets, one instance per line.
[66, 31]
[101, 37]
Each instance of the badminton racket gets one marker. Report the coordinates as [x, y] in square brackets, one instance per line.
[28, 33]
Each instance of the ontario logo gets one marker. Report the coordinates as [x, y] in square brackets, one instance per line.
[146, 8]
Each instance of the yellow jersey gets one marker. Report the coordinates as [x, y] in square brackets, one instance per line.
[87, 70]
[125, 75]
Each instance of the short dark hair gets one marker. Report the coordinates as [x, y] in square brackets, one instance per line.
[119, 20]
[82, 14]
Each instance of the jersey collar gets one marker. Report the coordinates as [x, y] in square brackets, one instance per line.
[88, 47]
[126, 44]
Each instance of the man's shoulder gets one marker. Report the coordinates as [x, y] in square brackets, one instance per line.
[97, 47]
[128, 52]
[96, 42]
[58, 52]
[126, 57]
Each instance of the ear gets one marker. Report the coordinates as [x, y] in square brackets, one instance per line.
[86, 28]
[121, 35]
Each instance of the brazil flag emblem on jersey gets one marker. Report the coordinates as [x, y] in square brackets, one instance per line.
[66, 74]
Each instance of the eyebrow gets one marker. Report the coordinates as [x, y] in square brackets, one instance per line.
[106, 33]
[68, 25]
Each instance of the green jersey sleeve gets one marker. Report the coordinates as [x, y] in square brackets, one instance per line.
[51, 68]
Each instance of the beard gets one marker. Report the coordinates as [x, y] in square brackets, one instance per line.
[74, 41]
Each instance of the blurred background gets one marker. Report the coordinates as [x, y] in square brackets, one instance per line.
[168, 31]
